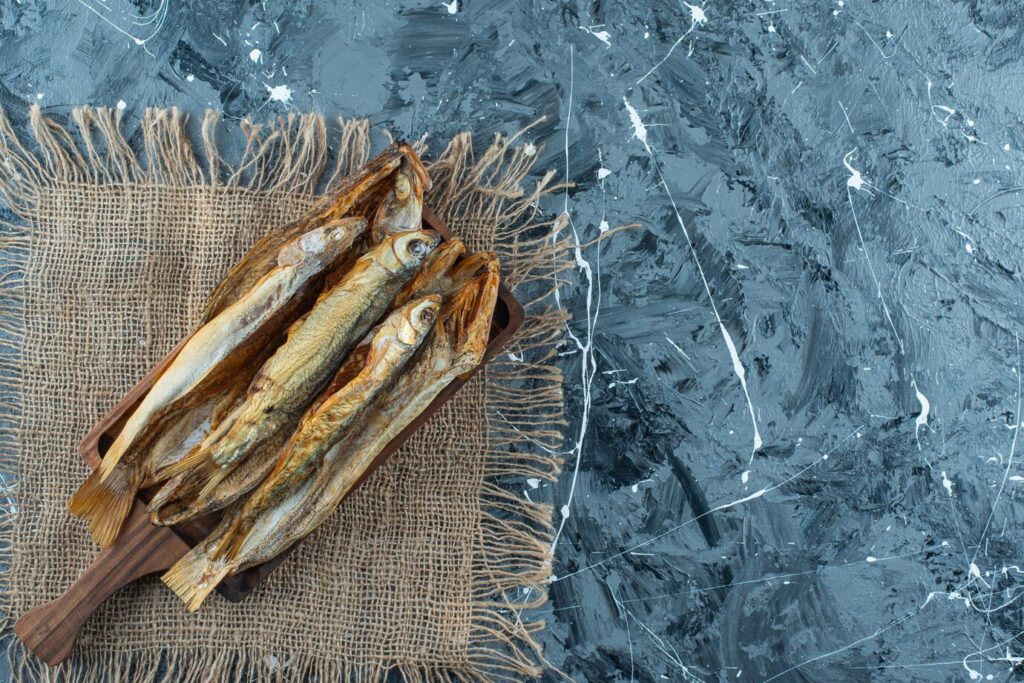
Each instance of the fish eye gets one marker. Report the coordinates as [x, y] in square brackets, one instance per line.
[427, 315]
[417, 248]
[402, 188]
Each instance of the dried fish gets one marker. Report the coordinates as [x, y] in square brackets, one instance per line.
[402, 208]
[315, 347]
[206, 363]
[356, 195]
[456, 344]
[433, 276]
[260, 259]
[392, 345]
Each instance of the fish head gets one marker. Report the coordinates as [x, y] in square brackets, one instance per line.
[418, 318]
[402, 208]
[324, 244]
[432, 275]
[406, 251]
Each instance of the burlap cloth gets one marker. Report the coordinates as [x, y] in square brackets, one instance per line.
[430, 569]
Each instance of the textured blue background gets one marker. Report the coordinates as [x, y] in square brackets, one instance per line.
[833, 188]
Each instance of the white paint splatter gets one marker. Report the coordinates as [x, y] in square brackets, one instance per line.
[741, 373]
[452, 6]
[256, 55]
[697, 15]
[922, 418]
[871, 558]
[280, 93]
[601, 35]
[190, 78]
[529, 149]
[639, 129]
[856, 180]
[697, 18]
[947, 484]
[121, 104]
[533, 482]
[39, 96]
[154, 19]
[603, 173]
[565, 512]
[603, 226]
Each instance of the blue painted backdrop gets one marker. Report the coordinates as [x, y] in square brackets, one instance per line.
[794, 391]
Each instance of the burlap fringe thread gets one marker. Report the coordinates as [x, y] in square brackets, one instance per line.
[512, 560]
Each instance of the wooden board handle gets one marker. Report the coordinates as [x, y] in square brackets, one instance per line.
[50, 630]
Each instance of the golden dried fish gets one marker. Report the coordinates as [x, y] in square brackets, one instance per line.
[190, 426]
[209, 487]
[402, 208]
[431, 278]
[392, 345]
[315, 347]
[396, 208]
[208, 362]
[456, 344]
[261, 258]
[356, 195]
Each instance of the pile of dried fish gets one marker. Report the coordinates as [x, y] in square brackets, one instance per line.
[319, 347]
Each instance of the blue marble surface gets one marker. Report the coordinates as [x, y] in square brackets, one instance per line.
[794, 390]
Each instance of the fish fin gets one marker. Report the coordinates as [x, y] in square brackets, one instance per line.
[196, 457]
[195, 576]
[105, 503]
[231, 541]
[213, 482]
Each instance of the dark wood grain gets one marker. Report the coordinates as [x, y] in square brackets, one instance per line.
[51, 629]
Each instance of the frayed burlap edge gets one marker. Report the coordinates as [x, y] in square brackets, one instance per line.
[511, 550]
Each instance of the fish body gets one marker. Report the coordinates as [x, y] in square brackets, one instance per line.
[207, 363]
[287, 383]
[455, 344]
[392, 345]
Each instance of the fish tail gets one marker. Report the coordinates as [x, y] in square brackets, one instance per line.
[195, 576]
[105, 502]
[110, 460]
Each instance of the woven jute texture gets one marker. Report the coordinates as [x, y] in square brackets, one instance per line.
[431, 568]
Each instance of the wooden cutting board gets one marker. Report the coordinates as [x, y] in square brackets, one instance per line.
[50, 630]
